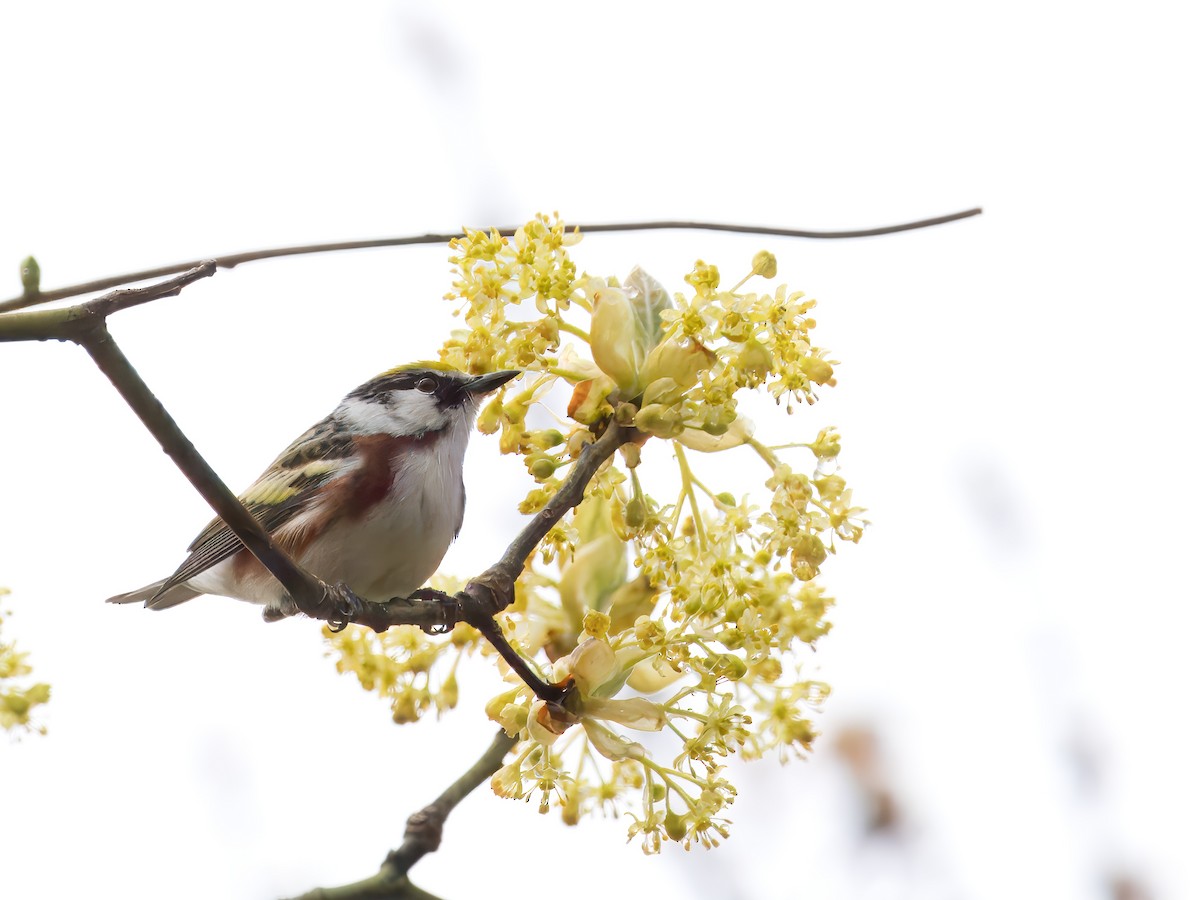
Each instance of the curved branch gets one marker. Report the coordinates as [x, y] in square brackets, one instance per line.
[422, 835]
[235, 259]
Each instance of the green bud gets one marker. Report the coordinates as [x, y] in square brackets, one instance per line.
[658, 791]
[675, 826]
[542, 468]
[31, 276]
[658, 420]
[731, 637]
[547, 438]
[731, 666]
[635, 513]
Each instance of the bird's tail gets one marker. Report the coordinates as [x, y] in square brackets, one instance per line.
[155, 597]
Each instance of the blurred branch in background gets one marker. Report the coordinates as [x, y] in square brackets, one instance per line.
[858, 748]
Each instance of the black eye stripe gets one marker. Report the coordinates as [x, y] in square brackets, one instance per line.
[444, 386]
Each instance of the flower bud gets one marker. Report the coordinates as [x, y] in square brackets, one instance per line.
[596, 624]
[509, 715]
[404, 709]
[612, 746]
[589, 401]
[570, 803]
[546, 438]
[447, 695]
[764, 264]
[658, 420]
[614, 337]
[592, 663]
[831, 486]
[541, 467]
[665, 391]
[31, 276]
[635, 513]
[648, 632]
[827, 445]
[682, 363]
[807, 555]
[703, 277]
[754, 361]
[675, 826]
[817, 370]
[547, 329]
[488, 420]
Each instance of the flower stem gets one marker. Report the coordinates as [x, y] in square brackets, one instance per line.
[686, 474]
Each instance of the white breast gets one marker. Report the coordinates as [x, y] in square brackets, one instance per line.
[394, 548]
[399, 544]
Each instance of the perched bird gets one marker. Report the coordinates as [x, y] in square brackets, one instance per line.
[370, 497]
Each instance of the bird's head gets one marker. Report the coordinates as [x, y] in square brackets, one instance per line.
[415, 399]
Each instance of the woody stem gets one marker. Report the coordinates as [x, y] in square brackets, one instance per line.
[490, 629]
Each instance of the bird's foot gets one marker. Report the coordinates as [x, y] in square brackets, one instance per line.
[347, 606]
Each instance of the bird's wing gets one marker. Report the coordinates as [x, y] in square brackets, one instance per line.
[281, 492]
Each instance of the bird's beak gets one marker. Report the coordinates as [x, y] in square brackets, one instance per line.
[483, 383]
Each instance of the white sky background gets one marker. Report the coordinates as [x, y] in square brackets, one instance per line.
[1013, 400]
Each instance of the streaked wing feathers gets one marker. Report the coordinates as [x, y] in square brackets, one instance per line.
[275, 498]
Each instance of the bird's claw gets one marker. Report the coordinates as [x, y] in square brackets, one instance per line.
[346, 608]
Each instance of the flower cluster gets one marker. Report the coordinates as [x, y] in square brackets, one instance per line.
[17, 702]
[679, 611]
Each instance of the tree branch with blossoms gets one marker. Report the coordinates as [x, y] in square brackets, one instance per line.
[680, 613]
[618, 608]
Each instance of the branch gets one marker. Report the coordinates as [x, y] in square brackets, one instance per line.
[75, 323]
[432, 611]
[423, 835]
[33, 298]
[86, 325]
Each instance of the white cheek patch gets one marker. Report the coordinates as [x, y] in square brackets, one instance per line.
[402, 413]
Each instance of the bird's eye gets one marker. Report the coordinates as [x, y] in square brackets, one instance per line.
[426, 385]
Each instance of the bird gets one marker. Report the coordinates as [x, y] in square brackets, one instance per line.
[369, 497]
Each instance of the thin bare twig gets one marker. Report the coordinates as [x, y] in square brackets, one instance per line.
[236, 259]
[73, 323]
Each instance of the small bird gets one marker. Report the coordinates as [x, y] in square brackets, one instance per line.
[370, 497]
